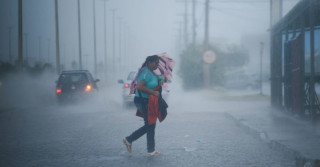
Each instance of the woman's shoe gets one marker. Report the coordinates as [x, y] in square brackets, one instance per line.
[128, 145]
[154, 153]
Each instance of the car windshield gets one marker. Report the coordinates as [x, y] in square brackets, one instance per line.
[131, 76]
[72, 78]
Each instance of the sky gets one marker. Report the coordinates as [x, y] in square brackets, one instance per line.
[141, 28]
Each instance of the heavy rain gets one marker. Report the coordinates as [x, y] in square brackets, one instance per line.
[224, 107]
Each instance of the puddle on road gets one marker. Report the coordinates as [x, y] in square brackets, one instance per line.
[188, 149]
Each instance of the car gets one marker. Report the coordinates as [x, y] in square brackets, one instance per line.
[165, 91]
[127, 98]
[73, 85]
[240, 81]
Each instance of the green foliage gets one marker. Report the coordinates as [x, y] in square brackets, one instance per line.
[191, 68]
[235, 57]
[191, 65]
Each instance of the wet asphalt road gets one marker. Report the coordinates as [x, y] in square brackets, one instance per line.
[195, 133]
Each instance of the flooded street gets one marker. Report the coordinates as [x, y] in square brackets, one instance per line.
[195, 132]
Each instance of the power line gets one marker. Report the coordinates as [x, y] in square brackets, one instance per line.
[239, 15]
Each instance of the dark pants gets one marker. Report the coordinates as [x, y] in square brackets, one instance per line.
[142, 105]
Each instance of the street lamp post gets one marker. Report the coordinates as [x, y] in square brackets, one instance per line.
[193, 24]
[113, 41]
[261, 53]
[206, 66]
[94, 38]
[20, 31]
[79, 31]
[10, 55]
[120, 48]
[57, 38]
[26, 36]
[48, 51]
[39, 48]
[105, 35]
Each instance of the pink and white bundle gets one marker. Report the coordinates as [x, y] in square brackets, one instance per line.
[164, 69]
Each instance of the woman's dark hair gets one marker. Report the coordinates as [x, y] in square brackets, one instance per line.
[152, 58]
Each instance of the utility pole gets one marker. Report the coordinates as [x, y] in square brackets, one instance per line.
[57, 38]
[125, 42]
[194, 24]
[186, 40]
[10, 55]
[113, 41]
[105, 36]
[185, 36]
[206, 69]
[48, 51]
[39, 38]
[20, 44]
[79, 31]
[120, 56]
[180, 38]
[261, 53]
[94, 38]
[206, 31]
[26, 39]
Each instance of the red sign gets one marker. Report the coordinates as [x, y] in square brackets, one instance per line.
[209, 56]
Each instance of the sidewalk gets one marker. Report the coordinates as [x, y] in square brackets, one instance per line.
[282, 131]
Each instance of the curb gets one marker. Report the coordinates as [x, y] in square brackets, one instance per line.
[299, 160]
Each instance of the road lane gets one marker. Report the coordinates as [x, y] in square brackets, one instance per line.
[195, 133]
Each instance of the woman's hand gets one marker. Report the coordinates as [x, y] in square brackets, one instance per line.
[141, 87]
[156, 93]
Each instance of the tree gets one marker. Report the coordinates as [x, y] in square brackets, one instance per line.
[191, 66]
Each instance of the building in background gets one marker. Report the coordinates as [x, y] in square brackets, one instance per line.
[295, 60]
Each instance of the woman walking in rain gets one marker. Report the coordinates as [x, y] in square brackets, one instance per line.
[147, 87]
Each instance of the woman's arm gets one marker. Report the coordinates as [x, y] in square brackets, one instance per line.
[141, 87]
